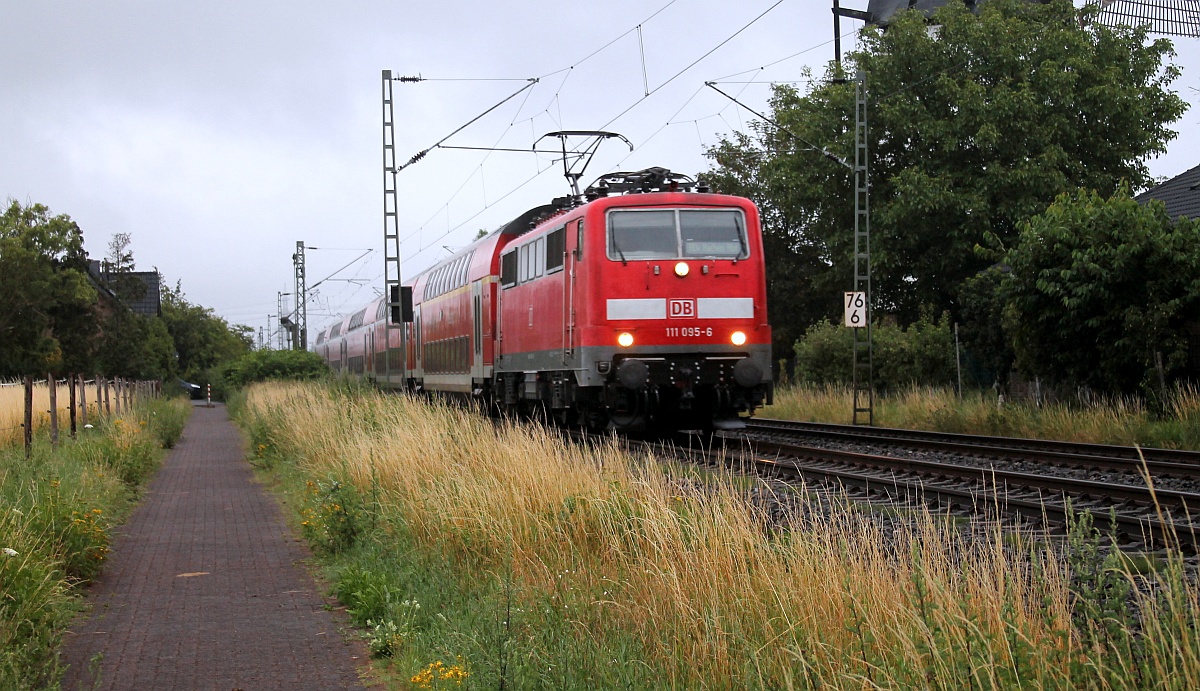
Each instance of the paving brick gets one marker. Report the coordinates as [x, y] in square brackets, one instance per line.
[255, 620]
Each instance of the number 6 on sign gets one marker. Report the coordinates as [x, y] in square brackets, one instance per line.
[856, 309]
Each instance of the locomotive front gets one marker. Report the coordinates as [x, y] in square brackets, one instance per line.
[675, 332]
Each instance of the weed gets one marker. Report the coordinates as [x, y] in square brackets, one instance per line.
[332, 515]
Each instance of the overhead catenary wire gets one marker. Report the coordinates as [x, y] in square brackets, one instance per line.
[567, 71]
[671, 79]
[421, 154]
[695, 62]
[820, 149]
[344, 267]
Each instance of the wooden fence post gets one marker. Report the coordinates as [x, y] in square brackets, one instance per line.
[71, 384]
[107, 399]
[99, 397]
[52, 385]
[116, 394]
[82, 401]
[28, 416]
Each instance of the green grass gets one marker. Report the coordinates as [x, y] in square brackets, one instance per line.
[57, 510]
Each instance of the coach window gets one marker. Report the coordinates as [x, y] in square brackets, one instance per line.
[508, 269]
[555, 246]
[524, 271]
[464, 270]
[539, 261]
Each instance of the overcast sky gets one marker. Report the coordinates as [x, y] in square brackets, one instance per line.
[220, 133]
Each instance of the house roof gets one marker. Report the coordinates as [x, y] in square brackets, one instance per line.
[1180, 194]
[145, 299]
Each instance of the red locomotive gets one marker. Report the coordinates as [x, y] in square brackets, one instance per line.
[642, 307]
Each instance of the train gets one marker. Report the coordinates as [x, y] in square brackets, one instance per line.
[639, 305]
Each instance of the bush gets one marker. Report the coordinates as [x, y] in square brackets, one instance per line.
[265, 365]
[922, 354]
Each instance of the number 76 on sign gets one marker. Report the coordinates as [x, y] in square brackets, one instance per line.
[856, 309]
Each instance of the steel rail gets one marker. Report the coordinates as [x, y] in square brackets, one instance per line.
[1157, 462]
[1142, 516]
[1050, 495]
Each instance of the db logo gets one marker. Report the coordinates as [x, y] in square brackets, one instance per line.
[681, 309]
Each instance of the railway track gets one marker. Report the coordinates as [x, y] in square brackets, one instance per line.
[976, 474]
[1126, 459]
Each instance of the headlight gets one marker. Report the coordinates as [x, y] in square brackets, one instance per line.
[625, 339]
[682, 269]
[738, 338]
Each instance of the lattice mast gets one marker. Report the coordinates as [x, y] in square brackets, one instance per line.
[864, 371]
[300, 320]
[391, 228]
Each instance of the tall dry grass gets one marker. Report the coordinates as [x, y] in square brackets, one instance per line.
[713, 597]
[12, 408]
[1104, 420]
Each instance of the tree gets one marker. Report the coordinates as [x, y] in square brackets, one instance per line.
[119, 266]
[120, 257]
[202, 339]
[798, 267]
[135, 346]
[1101, 291]
[973, 128]
[981, 305]
[47, 299]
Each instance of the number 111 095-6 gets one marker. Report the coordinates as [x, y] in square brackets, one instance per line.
[689, 331]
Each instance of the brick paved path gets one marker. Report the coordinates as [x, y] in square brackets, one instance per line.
[253, 621]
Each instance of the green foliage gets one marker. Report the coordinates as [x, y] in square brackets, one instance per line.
[921, 354]
[981, 305]
[50, 319]
[166, 418]
[45, 291]
[1101, 288]
[973, 129]
[135, 346]
[264, 365]
[375, 599]
[333, 516]
[202, 339]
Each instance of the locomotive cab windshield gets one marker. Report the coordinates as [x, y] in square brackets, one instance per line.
[677, 234]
